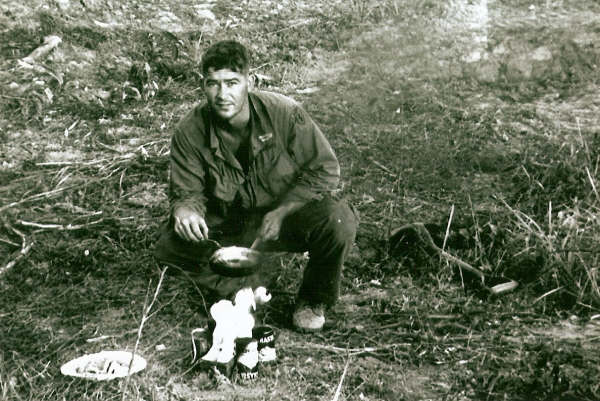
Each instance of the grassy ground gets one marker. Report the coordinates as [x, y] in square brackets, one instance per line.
[497, 141]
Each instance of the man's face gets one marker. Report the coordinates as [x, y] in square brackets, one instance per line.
[226, 92]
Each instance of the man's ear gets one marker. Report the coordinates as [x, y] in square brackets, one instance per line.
[251, 81]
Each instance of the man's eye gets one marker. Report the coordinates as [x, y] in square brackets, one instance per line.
[231, 83]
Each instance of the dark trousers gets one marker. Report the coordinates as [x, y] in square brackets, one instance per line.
[325, 228]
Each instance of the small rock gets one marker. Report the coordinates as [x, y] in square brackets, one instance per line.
[473, 57]
[168, 21]
[307, 91]
[63, 4]
[541, 54]
[205, 14]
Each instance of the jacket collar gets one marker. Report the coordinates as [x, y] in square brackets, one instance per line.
[261, 131]
[261, 135]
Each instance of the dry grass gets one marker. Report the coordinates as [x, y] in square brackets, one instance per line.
[504, 171]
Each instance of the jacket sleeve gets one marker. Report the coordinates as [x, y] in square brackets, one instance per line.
[187, 182]
[319, 170]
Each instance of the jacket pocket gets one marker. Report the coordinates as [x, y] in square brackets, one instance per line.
[282, 174]
[224, 183]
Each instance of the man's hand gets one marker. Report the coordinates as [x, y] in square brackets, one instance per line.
[271, 224]
[189, 225]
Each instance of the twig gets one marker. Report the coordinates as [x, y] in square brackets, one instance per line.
[105, 146]
[24, 251]
[25, 248]
[145, 316]
[339, 387]
[50, 42]
[381, 166]
[106, 337]
[60, 227]
[307, 21]
[356, 351]
[8, 242]
[68, 163]
[592, 182]
[463, 264]
[519, 215]
[448, 227]
[430, 317]
[421, 232]
[46, 194]
[546, 294]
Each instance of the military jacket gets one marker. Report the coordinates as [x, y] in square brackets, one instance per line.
[290, 159]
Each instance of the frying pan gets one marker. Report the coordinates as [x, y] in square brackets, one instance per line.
[235, 261]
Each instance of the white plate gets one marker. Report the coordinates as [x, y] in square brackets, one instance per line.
[105, 365]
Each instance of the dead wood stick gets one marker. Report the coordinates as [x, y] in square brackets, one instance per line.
[60, 227]
[25, 248]
[355, 351]
[430, 317]
[339, 387]
[145, 316]
[381, 166]
[24, 251]
[463, 264]
[35, 197]
[105, 337]
[50, 42]
[8, 242]
[68, 163]
[420, 231]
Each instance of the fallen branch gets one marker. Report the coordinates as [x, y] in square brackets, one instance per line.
[25, 248]
[50, 42]
[145, 316]
[60, 227]
[546, 294]
[106, 337]
[430, 317]
[46, 194]
[356, 351]
[24, 251]
[592, 182]
[68, 163]
[419, 232]
[339, 387]
[382, 167]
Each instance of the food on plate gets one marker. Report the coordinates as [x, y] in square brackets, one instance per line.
[235, 256]
[104, 366]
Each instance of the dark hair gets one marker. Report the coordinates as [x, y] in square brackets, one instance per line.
[226, 54]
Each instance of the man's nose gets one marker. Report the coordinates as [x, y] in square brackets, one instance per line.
[221, 88]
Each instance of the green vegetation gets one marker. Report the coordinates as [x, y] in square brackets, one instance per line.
[502, 152]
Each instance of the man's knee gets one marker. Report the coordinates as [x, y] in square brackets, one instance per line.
[341, 221]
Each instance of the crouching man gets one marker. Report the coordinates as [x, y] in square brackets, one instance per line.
[252, 164]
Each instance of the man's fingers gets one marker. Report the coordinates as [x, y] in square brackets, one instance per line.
[189, 231]
[178, 230]
[197, 231]
[204, 228]
[264, 232]
[269, 231]
[185, 230]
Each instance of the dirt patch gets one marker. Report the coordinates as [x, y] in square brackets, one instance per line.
[572, 329]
